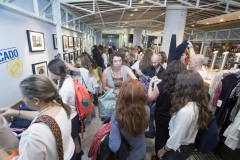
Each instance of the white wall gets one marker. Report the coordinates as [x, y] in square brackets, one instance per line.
[13, 34]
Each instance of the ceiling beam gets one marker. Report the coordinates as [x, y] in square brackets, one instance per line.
[231, 2]
[155, 3]
[46, 7]
[115, 3]
[74, 1]
[187, 3]
[114, 22]
[79, 8]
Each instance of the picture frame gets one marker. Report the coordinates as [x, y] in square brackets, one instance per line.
[75, 55]
[79, 52]
[40, 68]
[36, 41]
[55, 45]
[66, 57]
[74, 42]
[65, 43]
[78, 41]
[81, 43]
[70, 41]
[71, 57]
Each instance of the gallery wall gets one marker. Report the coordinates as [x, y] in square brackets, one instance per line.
[15, 58]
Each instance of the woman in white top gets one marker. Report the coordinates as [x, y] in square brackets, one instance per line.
[189, 113]
[38, 141]
[87, 77]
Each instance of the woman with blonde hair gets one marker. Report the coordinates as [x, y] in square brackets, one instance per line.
[87, 76]
[130, 120]
[189, 114]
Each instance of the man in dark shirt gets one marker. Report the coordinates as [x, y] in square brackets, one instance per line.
[155, 69]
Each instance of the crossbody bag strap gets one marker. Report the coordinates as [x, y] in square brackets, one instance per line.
[56, 132]
[84, 82]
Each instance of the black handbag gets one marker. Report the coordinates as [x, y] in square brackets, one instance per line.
[106, 154]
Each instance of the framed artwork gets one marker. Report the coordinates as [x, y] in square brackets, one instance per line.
[78, 42]
[40, 68]
[65, 43]
[71, 57]
[66, 57]
[70, 41]
[55, 46]
[79, 52]
[81, 43]
[75, 42]
[35, 41]
[75, 55]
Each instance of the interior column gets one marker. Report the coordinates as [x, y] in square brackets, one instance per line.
[175, 20]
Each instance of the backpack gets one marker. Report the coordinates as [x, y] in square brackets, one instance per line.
[82, 100]
[100, 150]
[207, 138]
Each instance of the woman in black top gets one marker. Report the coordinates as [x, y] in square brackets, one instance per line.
[163, 93]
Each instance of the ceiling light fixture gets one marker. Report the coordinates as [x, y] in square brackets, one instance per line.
[131, 14]
[135, 9]
[141, 2]
[225, 17]
[192, 25]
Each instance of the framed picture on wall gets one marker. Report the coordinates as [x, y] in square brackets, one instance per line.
[75, 42]
[40, 68]
[35, 41]
[75, 55]
[65, 43]
[71, 57]
[78, 41]
[66, 57]
[81, 43]
[79, 53]
[70, 41]
[55, 46]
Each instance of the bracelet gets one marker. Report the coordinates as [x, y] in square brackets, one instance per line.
[165, 149]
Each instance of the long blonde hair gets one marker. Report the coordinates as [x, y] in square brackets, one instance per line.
[86, 63]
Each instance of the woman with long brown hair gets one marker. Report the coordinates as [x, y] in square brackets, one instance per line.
[189, 114]
[162, 93]
[130, 120]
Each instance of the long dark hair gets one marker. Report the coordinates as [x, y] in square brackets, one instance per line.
[58, 68]
[190, 88]
[170, 75]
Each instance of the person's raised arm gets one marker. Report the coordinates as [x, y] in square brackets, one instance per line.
[71, 67]
[152, 93]
[191, 49]
[19, 113]
[130, 73]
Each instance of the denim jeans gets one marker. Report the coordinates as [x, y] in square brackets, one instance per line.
[182, 153]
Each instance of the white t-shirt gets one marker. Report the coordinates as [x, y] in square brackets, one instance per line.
[136, 65]
[84, 76]
[183, 127]
[38, 141]
[67, 93]
[105, 59]
[89, 82]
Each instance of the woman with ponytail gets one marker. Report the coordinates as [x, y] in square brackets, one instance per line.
[41, 94]
[58, 72]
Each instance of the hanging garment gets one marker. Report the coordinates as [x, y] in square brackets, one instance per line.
[232, 134]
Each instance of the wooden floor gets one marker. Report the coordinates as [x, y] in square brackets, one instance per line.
[96, 122]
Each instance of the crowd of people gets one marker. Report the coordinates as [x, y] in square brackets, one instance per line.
[176, 87]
